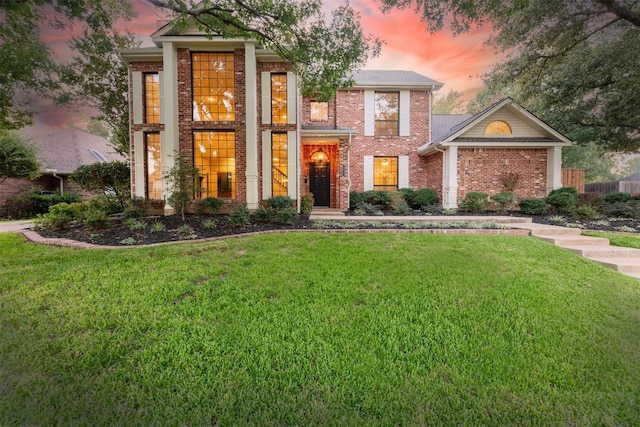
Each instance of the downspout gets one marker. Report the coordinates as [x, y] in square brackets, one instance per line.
[53, 173]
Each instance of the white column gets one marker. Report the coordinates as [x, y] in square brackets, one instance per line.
[169, 140]
[251, 88]
[450, 179]
[136, 83]
[138, 172]
[554, 168]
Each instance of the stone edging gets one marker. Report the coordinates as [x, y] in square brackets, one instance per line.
[54, 241]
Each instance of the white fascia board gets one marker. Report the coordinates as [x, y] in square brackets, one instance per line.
[140, 54]
[530, 116]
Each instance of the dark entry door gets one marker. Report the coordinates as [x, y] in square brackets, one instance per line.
[320, 182]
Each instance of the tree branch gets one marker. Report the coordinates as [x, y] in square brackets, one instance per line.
[621, 11]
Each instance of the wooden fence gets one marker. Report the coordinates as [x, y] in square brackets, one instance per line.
[632, 187]
[573, 178]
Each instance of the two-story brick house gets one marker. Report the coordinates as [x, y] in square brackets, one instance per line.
[235, 110]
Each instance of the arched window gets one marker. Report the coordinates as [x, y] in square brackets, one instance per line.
[497, 127]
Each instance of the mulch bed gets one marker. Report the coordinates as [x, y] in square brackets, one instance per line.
[119, 235]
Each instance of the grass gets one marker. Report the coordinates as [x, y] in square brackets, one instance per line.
[317, 329]
[617, 239]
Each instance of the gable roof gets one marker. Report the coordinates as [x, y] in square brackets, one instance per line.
[65, 151]
[450, 130]
[393, 78]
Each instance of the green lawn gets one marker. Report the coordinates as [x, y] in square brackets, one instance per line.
[317, 329]
[617, 239]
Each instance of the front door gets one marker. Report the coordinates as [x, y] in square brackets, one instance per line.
[320, 182]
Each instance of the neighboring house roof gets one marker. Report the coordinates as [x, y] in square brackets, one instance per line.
[459, 129]
[393, 78]
[634, 177]
[63, 152]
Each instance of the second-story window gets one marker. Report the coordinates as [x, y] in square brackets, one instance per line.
[386, 113]
[213, 87]
[319, 111]
[279, 98]
[151, 98]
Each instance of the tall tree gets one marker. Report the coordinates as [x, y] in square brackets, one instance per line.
[27, 65]
[98, 78]
[323, 53]
[448, 104]
[573, 62]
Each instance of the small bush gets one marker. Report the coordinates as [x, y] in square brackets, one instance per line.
[279, 202]
[586, 212]
[95, 219]
[617, 197]
[505, 200]
[239, 216]
[475, 201]
[396, 199]
[563, 199]
[35, 203]
[286, 215]
[533, 206]
[209, 224]
[356, 198]
[105, 203]
[210, 205]
[134, 211]
[402, 208]
[158, 226]
[58, 218]
[368, 209]
[306, 205]
[409, 196]
[425, 197]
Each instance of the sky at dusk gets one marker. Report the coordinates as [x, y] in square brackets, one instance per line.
[458, 62]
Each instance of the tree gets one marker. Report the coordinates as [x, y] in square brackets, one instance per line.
[572, 62]
[323, 53]
[98, 78]
[18, 157]
[184, 182]
[448, 103]
[108, 177]
[598, 165]
[27, 66]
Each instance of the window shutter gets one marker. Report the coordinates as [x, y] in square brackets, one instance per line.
[266, 164]
[292, 157]
[266, 98]
[292, 98]
[405, 113]
[403, 172]
[161, 90]
[369, 113]
[138, 106]
[368, 173]
[139, 159]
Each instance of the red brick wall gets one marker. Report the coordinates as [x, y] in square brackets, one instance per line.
[350, 114]
[480, 169]
[433, 168]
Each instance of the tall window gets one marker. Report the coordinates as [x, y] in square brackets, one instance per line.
[319, 111]
[385, 173]
[213, 87]
[279, 175]
[153, 166]
[214, 153]
[151, 98]
[279, 98]
[386, 113]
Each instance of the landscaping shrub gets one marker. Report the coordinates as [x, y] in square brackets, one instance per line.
[586, 212]
[617, 197]
[425, 197]
[475, 201]
[356, 198]
[106, 203]
[35, 203]
[368, 209]
[306, 205]
[279, 202]
[505, 200]
[134, 211]
[239, 216]
[563, 199]
[109, 177]
[96, 219]
[59, 217]
[510, 181]
[210, 205]
[533, 206]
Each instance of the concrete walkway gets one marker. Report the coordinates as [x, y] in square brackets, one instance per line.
[624, 260]
[14, 225]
